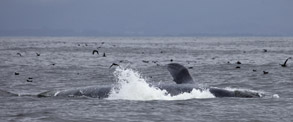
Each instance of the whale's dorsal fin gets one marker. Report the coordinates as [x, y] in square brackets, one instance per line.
[179, 73]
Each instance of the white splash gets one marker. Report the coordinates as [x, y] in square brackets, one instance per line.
[131, 86]
[241, 89]
[276, 96]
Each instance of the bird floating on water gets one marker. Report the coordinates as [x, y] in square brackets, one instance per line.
[238, 62]
[265, 72]
[145, 61]
[19, 54]
[29, 79]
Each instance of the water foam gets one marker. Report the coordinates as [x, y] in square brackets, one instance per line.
[132, 86]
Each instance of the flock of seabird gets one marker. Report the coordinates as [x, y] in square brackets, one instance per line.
[145, 61]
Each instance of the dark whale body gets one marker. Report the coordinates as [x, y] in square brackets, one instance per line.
[180, 74]
[94, 91]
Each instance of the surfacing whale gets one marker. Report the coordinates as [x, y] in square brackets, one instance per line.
[180, 74]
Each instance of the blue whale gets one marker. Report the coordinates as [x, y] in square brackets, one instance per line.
[181, 76]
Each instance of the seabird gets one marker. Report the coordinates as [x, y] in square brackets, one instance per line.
[114, 64]
[95, 51]
[29, 79]
[238, 62]
[144, 61]
[285, 63]
[19, 54]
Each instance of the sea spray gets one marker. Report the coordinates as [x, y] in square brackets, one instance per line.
[132, 86]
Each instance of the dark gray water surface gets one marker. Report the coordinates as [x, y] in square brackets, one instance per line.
[68, 62]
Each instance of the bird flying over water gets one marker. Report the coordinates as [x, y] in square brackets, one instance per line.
[113, 64]
[95, 51]
[285, 63]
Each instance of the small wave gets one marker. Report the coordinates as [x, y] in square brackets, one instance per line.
[132, 86]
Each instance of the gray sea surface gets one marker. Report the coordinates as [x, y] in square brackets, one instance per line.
[31, 65]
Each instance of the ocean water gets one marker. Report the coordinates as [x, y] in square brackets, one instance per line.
[31, 65]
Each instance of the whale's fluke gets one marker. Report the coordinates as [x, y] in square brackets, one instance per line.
[179, 73]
